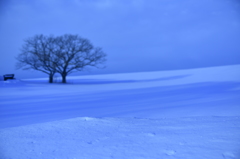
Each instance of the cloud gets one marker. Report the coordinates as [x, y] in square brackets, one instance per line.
[168, 31]
[103, 4]
[99, 4]
[110, 4]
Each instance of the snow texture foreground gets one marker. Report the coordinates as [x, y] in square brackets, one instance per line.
[91, 138]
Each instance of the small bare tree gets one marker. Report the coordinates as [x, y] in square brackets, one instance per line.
[62, 54]
[38, 54]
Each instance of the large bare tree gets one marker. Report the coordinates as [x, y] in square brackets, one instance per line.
[75, 53]
[62, 54]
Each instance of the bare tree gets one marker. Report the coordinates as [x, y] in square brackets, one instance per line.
[37, 54]
[75, 53]
[62, 54]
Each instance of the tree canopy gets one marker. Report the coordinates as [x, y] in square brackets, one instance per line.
[61, 54]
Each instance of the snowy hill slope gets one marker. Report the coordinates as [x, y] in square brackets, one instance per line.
[181, 93]
[167, 114]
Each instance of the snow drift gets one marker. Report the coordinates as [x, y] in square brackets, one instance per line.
[167, 114]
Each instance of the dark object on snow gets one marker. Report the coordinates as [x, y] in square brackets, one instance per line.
[8, 76]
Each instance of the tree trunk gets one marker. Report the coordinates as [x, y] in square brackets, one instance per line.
[50, 78]
[64, 78]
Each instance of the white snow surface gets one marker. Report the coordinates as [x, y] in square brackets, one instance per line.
[181, 114]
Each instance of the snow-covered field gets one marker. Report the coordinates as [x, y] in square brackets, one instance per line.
[182, 114]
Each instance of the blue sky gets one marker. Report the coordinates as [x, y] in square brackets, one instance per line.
[137, 35]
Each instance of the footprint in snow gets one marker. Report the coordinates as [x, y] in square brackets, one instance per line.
[151, 134]
[228, 155]
[170, 152]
